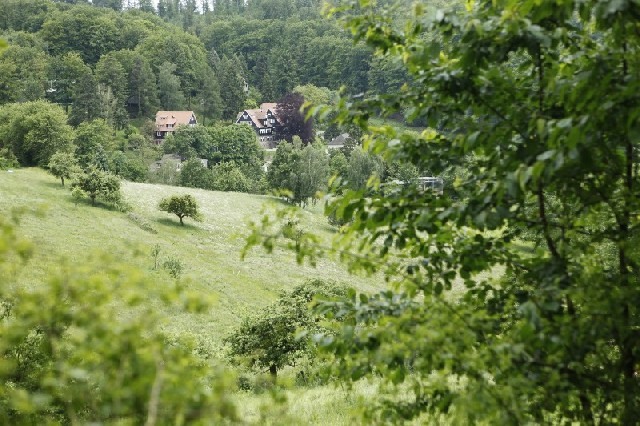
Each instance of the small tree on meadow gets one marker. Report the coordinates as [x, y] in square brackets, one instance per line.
[270, 338]
[63, 165]
[99, 184]
[182, 206]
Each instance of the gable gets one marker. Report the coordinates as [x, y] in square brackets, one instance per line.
[175, 118]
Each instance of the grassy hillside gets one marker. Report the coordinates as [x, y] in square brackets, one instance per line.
[209, 250]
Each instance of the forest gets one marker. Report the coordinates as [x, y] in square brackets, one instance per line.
[117, 63]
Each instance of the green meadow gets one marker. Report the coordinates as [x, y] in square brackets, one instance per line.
[65, 230]
[62, 228]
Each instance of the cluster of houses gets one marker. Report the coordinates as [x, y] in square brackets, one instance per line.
[264, 121]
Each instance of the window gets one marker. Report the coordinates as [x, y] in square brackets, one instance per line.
[169, 126]
[158, 133]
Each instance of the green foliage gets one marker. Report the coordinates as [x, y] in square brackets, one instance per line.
[182, 206]
[537, 100]
[166, 174]
[195, 175]
[338, 163]
[155, 254]
[315, 95]
[189, 142]
[24, 74]
[169, 88]
[271, 338]
[112, 89]
[63, 165]
[34, 131]
[229, 177]
[128, 166]
[229, 71]
[237, 143]
[362, 166]
[99, 185]
[93, 140]
[173, 266]
[303, 171]
[406, 173]
[69, 356]
[7, 159]
[143, 91]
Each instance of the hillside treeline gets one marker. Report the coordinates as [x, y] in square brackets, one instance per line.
[120, 60]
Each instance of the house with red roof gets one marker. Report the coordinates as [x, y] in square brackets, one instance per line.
[168, 121]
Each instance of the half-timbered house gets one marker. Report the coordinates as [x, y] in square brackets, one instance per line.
[264, 121]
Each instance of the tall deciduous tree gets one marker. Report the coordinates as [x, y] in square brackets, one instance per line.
[34, 131]
[92, 139]
[300, 170]
[24, 75]
[112, 81]
[169, 90]
[293, 120]
[237, 143]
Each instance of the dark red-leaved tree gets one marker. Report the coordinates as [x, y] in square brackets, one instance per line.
[292, 119]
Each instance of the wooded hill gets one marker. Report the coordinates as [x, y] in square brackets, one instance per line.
[119, 60]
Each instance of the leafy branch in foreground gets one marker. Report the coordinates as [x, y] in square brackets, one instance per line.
[517, 299]
[69, 355]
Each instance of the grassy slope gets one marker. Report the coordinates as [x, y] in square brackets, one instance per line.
[209, 250]
[210, 253]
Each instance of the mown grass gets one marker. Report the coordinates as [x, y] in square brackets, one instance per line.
[209, 250]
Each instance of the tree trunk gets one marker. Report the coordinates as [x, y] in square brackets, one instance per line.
[273, 370]
[62, 179]
[181, 223]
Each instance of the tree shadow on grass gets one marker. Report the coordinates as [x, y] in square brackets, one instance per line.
[86, 202]
[57, 185]
[175, 223]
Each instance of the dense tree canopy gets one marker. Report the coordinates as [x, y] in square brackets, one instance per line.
[299, 170]
[188, 57]
[34, 131]
[517, 303]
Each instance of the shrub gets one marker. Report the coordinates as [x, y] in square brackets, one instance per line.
[270, 338]
[97, 184]
[7, 159]
[173, 266]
